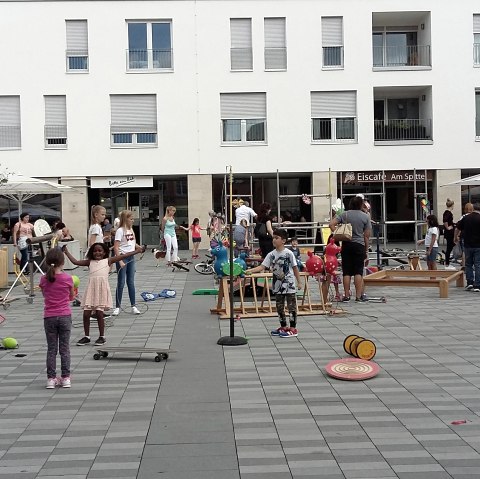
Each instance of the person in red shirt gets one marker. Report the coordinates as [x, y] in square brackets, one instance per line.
[196, 229]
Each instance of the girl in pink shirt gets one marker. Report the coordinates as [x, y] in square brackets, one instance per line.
[196, 229]
[57, 290]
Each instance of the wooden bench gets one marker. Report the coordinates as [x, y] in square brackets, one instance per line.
[412, 279]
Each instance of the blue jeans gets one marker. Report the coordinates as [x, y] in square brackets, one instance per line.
[24, 258]
[128, 272]
[472, 266]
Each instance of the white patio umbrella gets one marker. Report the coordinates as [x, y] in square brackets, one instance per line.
[21, 188]
[470, 181]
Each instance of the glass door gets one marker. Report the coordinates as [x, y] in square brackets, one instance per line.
[151, 212]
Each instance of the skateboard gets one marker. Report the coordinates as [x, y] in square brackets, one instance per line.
[103, 351]
[377, 299]
[181, 264]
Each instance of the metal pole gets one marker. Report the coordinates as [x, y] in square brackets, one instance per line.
[278, 196]
[415, 207]
[384, 211]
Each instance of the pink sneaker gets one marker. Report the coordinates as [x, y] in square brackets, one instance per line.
[65, 382]
[52, 383]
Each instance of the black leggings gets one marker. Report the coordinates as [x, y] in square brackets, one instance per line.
[448, 235]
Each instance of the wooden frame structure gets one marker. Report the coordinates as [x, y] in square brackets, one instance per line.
[431, 278]
[264, 305]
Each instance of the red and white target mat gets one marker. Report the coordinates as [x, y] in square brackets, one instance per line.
[352, 369]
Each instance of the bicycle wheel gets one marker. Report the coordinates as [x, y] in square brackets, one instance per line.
[204, 268]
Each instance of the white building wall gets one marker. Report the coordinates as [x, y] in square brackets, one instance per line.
[188, 100]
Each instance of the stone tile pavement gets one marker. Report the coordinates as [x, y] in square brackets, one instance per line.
[265, 410]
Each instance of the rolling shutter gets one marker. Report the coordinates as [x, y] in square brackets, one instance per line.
[241, 43]
[134, 113]
[243, 106]
[10, 122]
[334, 104]
[275, 44]
[77, 37]
[332, 31]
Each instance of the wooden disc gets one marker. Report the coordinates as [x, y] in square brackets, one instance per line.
[366, 349]
[352, 369]
[348, 342]
[353, 346]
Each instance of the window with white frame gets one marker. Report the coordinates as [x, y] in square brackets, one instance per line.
[149, 45]
[134, 120]
[55, 121]
[275, 43]
[241, 53]
[334, 116]
[476, 40]
[332, 42]
[77, 46]
[477, 114]
[10, 134]
[244, 118]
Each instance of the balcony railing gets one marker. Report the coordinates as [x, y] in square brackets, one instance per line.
[77, 60]
[151, 59]
[402, 130]
[10, 137]
[334, 129]
[402, 56]
[332, 57]
[275, 58]
[55, 136]
[241, 58]
[476, 54]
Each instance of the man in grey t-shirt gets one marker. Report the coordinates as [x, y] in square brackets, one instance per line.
[354, 252]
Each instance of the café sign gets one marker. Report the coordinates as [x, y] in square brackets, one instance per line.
[352, 177]
[122, 182]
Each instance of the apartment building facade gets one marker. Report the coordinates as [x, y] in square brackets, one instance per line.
[148, 103]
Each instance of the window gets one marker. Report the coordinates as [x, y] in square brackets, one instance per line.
[149, 45]
[334, 116]
[275, 44]
[477, 114]
[10, 122]
[476, 40]
[241, 54]
[332, 42]
[77, 46]
[55, 121]
[134, 120]
[243, 118]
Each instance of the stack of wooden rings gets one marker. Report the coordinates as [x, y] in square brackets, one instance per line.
[359, 347]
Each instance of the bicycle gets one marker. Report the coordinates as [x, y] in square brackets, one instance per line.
[205, 267]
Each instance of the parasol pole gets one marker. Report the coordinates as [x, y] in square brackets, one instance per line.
[231, 340]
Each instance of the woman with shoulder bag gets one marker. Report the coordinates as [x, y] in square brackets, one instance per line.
[22, 231]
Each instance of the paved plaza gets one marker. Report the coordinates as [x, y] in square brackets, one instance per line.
[265, 410]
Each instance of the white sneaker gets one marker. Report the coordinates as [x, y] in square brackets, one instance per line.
[116, 312]
[135, 310]
[52, 383]
[65, 382]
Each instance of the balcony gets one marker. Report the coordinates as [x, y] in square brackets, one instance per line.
[10, 137]
[401, 57]
[402, 130]
[276, 58]
[241, 58]
[333, 57]
[55, 136]
[476, 54]
[151, 59]
[77, 60]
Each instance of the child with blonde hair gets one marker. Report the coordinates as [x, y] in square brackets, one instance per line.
[95, 232]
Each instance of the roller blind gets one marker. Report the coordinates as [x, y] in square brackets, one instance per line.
[10, 136]
[275, 44]
[476, 23]
[77, 35]
[243, 106]
[241, 43]
[134, 113]
[332, 31]
[9, 110]
[55, 110]
[334, 104]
